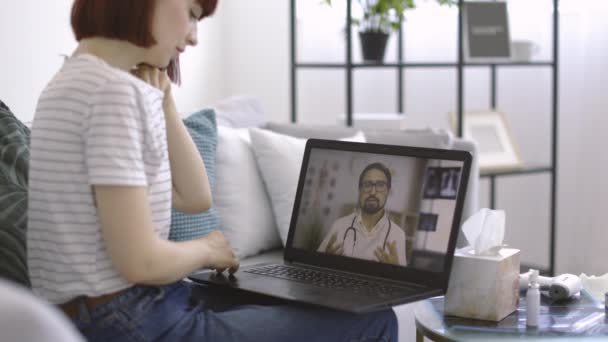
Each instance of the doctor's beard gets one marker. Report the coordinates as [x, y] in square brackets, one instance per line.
[371, 205]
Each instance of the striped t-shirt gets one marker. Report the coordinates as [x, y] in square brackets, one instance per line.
[94, 125]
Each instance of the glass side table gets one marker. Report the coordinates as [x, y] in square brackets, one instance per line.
[581, 318]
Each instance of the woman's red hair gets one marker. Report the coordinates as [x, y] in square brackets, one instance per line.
[128, 20]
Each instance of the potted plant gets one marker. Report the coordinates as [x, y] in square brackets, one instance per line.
[380, 18]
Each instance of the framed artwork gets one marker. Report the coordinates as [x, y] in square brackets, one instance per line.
[497, 150]
[432, 183]
[441, 182]
[450, 178]
[427, 222]
[486, 31]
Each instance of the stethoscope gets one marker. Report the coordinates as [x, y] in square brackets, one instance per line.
[352, 228]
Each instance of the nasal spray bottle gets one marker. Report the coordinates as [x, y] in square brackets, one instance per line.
[533, 300]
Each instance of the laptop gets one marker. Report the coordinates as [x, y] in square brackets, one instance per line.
[373, 226]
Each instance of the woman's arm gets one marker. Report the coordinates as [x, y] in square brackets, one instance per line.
[191, 191]
[137, 252]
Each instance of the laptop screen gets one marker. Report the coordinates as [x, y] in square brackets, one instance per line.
[384, 208]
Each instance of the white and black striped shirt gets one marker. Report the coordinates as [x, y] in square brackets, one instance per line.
[94, 125]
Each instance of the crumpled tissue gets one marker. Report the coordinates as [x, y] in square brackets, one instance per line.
[595, 286]
[485, 231]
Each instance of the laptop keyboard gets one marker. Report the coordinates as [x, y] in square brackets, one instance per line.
[328, 280]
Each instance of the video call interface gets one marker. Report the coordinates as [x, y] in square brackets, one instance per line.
[383, 208]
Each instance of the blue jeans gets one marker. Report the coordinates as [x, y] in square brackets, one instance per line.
[187, 312]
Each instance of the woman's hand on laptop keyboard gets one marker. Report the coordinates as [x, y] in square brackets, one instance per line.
[220, 255]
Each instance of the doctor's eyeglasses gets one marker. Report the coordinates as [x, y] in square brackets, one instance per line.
[381, 186]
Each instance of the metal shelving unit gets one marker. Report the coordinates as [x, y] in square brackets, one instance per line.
[349, 66]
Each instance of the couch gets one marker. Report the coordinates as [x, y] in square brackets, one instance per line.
[254, 168]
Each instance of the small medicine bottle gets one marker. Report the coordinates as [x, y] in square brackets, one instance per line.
[533, 300]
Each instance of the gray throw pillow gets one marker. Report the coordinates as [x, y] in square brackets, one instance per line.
[14, 164]
[312, 131]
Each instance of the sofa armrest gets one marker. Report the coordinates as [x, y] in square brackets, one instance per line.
[25, 317]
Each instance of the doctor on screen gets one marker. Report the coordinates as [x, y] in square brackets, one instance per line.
[368, 233]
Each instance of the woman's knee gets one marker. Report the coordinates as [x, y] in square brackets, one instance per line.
[387, 325]
[377, 326]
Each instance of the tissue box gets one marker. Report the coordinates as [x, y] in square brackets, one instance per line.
[483, 287]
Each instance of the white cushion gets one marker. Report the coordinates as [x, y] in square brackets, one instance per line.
[245, 213]
[279, 158]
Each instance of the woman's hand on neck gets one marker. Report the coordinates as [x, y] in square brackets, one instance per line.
[117, 53]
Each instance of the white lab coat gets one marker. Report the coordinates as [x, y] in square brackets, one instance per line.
[366, 241]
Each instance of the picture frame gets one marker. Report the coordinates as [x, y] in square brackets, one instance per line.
[441, 182]
[432, 183]
[427, 222]
[489, 129]
[450, 179]
[486, 35]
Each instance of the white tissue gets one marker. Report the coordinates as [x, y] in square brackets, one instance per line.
[485, 231]
[595, 286]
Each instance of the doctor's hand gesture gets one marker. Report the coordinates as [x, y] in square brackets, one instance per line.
[334, 247]
[388, 255]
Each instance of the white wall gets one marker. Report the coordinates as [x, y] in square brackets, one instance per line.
[34, 33]
[256, 38]
[202, 67]
[583, 157]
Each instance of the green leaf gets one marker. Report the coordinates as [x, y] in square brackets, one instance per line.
[385, 14]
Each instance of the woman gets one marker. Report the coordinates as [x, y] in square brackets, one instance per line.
[109, 157]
